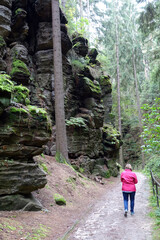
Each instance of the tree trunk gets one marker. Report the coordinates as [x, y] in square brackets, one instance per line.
[138, 107]
[63, 3]
[88, 17]
[81, 8]
[61, 137]
[118, 92]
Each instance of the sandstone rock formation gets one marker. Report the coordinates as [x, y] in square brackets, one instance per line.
[26, 55]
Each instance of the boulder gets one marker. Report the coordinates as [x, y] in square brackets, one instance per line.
[18, 177]
[19, 202]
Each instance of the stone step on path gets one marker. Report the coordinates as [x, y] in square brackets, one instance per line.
[106, 220]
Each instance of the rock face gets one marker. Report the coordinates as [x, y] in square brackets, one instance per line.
[26, 62]
[23, 132]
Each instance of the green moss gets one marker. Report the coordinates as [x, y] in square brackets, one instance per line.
[19, 10]
[2, 42]
[94, 87]
[5, 83]
[21, 95]
[111, 136]
[44, 167]
[20, 110]
[34, 111]
[76, 122]
[108, 128]
[19, 67]
[59, 199]
[78, 64]
[105, 81]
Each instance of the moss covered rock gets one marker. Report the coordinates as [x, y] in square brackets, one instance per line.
[6, 88]
[59, 199]
[20, 72]
[21, 95]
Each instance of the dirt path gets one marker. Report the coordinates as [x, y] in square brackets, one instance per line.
[107, 222]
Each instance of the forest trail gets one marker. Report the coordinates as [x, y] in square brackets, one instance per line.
[106, 220]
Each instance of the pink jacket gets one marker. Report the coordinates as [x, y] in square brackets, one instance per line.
[128, 179]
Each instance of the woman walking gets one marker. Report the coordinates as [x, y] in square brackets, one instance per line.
[128, 179]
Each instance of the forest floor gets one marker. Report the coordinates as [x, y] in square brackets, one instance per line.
[51, 224]
[93, 211]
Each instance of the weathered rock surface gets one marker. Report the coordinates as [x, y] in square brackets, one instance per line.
[23, 132]
[5, 18]
[26, 54]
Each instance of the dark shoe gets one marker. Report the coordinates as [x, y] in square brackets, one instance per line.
[125, 213]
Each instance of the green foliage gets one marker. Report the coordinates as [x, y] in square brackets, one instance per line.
[151, 129]
[5, 83]
[155, 214]
[76, 122]
[59, 199]
[19, 67]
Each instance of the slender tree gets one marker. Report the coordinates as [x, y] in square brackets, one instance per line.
[138, 107]
[118, 90]
[61, 137]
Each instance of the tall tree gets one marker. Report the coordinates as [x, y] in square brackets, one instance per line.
[138, 107]
[118, 89]
[61, 137]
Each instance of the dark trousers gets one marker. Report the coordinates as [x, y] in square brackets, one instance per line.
[125, 198]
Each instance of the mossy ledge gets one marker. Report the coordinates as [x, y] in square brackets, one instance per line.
[19, 66]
